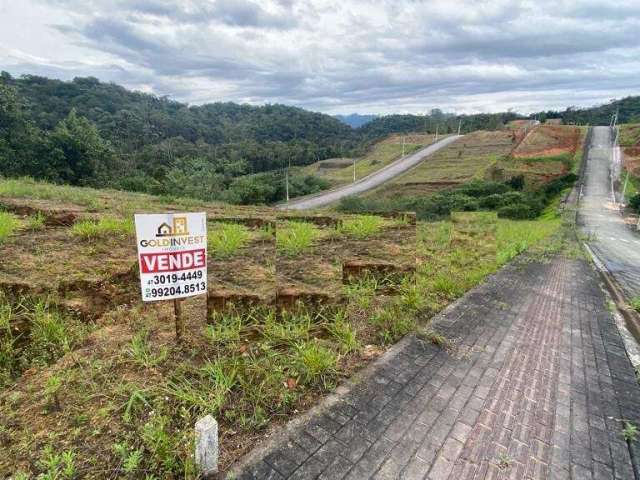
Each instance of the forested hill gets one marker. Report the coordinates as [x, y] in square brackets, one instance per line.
[85, 132]
[435, 121]
[628, 112]
[131, 119]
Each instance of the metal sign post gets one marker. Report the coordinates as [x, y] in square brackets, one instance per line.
[172, 257]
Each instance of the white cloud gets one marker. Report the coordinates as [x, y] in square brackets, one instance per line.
[337, 55]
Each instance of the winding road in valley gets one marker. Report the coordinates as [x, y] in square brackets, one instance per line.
[370, 181]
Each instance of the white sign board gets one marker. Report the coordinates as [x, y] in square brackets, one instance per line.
[172, 253]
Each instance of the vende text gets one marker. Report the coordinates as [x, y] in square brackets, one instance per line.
[172, 261]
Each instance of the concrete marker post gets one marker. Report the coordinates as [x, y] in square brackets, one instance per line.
[207, 446]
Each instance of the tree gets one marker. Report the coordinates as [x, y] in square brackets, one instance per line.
[79, 155]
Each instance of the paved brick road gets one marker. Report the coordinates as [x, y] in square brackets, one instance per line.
[535, 387]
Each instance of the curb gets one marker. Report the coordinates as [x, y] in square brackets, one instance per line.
[631, 317]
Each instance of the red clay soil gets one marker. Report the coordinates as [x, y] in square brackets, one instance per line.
[548, 140]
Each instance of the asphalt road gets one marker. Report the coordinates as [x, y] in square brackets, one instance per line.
[615, 243]
[370, 181]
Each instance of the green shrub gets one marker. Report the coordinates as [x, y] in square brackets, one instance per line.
[634, 202]
[518, 211]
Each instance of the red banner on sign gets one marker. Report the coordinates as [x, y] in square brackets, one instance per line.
[173, 261]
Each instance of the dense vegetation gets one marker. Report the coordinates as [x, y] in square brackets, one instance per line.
[435, 121]
[85, 132]
[508, 199]
[628, 112]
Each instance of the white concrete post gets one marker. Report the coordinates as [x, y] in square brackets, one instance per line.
[207, 446]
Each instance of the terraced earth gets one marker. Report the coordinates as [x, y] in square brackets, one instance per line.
[93, 382]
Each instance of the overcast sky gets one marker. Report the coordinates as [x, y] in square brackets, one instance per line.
[337, 56]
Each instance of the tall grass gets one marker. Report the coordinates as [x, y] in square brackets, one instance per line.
[362, 226]
[294, 237]
[514, 237]
[225, 239]
[105, 227]
[30, 188]
[8, 223]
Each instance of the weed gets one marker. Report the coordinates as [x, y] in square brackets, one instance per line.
[50, 336]
[103, 228]
[294, 237]
[314, 364]
[362, 226]
[52, 390]
[226, 239]
[226, 328]
[392, 323]
[130, 458]
[635, 304]
[289, 329]
[434, 337]
[140, 351]
[8, 223]
[630, 432]
[9, 359]
[160, 443]
[504, 461]
[344, 333]
[197, 395]
[136, 400]
[362, 291]
[35, 222]
[222, 372]
[57, 466]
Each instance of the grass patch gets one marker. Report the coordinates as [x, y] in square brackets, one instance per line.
[635, 304]
[35, 222]
[8, 224]
[226, 239]
[34, 334]
[362, 226]
[292, 238]
[103, 228]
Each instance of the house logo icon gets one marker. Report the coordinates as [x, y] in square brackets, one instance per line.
[178, 228]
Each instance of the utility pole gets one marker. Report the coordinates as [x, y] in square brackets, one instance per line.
[624, 189]
[354, 169]
[459, 126]
[286, 176]
[403, 137]
[437, 132]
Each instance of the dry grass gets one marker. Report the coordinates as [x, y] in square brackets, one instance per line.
[466, 159]
[380, 155]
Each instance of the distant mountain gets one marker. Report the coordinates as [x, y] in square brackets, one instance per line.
[356, 120]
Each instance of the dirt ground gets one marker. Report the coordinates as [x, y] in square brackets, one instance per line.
[126, 372]
[549, 140]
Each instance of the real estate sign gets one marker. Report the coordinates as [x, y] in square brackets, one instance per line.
[172, 253]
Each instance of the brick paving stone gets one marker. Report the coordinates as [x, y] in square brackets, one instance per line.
[535, 387]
